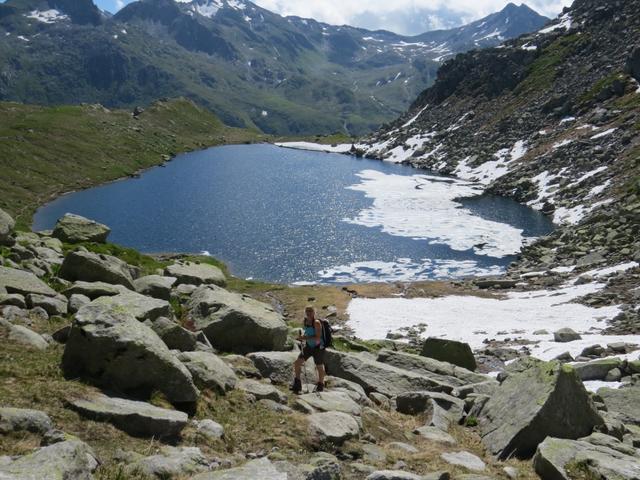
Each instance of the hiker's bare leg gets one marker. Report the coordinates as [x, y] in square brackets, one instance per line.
[321, 373]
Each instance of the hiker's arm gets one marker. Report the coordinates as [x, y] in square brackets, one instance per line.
[318, 332]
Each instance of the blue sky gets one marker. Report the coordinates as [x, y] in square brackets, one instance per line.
[402, 16]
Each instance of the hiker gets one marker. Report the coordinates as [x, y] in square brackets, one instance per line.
[313, 346]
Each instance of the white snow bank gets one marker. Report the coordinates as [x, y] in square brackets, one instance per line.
[604, 134]
[412, 120]
[564, 21]
[473, 320]
[595, 385]
[405, 270]
[605, 272]
[423, 207]
[47, 16]
[317, 147]
[490, 171]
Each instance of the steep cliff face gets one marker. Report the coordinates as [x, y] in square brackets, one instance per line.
[551, 119]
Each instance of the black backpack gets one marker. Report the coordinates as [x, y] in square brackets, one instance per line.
[327, 333]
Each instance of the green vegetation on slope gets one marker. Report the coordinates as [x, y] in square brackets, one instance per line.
[47, 151]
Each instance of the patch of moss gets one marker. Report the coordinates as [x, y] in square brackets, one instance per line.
[601, 85]
[146, 263]
[579, 470]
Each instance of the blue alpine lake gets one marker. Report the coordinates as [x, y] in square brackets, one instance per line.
[289, 216]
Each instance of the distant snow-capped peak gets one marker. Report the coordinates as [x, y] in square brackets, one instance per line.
[210, 8]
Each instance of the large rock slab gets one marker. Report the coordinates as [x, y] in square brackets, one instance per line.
[21, 419]
[278, 366]
[189, 273]
[464, 459]
[596, 370]
[175, 336]
[444, 409]
[136, 418]
[68, 460]
[24, 283]
[333, 427]
[261, 469]
[625, 402]
[22, 335]
[450, 351]
[330, 401]
[237, 323]
[261, 391]
[7, 224]
[94, 290]
[57, 305]
[110, 348]
[443, 371]
[140, 306]
[379, 377]
[209, 371]
[155, 286]
[558, 459]
[536, 401]
[76, 229]
[170, 462]
[91, 267]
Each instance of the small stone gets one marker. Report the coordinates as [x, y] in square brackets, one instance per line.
[464, 459]
[565, 335]
[209, 429]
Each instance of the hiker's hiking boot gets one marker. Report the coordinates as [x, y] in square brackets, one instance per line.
[297, 386]
[320, 387]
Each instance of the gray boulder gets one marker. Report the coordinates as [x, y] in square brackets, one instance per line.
[261, 391]
[209, 371]
[330, 401]
[625, 402]
[565, 335]
[52, 305]
[22, 335]
[155, 286]
[91, 267]
[7, 224]
[540, 399]
[140, 306]
[378, 377]
[21, 419]
[332, 427]
[12, 299]
[94, 290]
[77, 301]
[261, 469]
[174, 336]
[136, 418]
[76, 229]
[560, 459]
[67, 460]
[464, 459]
[443, 371]
[209, 429]
[24, 283]
[237, 323]
[190, 273]
[596, 370]
[450, 351]
[434, 434]
[170, 462]
[414, 403]
[278, 366]
[112, 349]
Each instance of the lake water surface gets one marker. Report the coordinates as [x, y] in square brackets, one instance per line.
[296, 216]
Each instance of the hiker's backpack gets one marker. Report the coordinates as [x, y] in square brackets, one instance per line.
[327, 333]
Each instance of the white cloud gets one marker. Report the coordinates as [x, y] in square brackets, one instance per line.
[383, 12]
[119, 4]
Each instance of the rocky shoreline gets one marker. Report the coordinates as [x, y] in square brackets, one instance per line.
[154, 353]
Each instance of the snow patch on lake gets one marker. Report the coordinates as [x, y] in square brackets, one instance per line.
[405, 270]
[317, 147]
[473, 319]
[424, 207]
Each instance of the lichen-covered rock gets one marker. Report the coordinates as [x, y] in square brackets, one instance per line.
[330, 401]
[67, 460]
[190, 273]
[140, 306]
[464, 459]
[155, 286]
[450, 351]
[22, 335]
[7, 224]
[557, 459]
[261, 469]
[278, 366]
[77, 301]
[333, 427]
[12, 299]
[57, 305]
[76, 229]
[209, 371]
[170, 462]
[209, 429]
[24, 283]
[565, 335]
[93, 267]
[596, 370]
[136, 418]
[21, 419]
[94, 290]
[261, 391]
[625, 402]
[110, 348]
[174, 336]
[538, 400]
[235, 322]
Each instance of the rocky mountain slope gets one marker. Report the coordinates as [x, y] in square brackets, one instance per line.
[252, 67]
[131, 367]
[551, 119]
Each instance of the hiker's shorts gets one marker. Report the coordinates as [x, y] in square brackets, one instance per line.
[316, 352]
